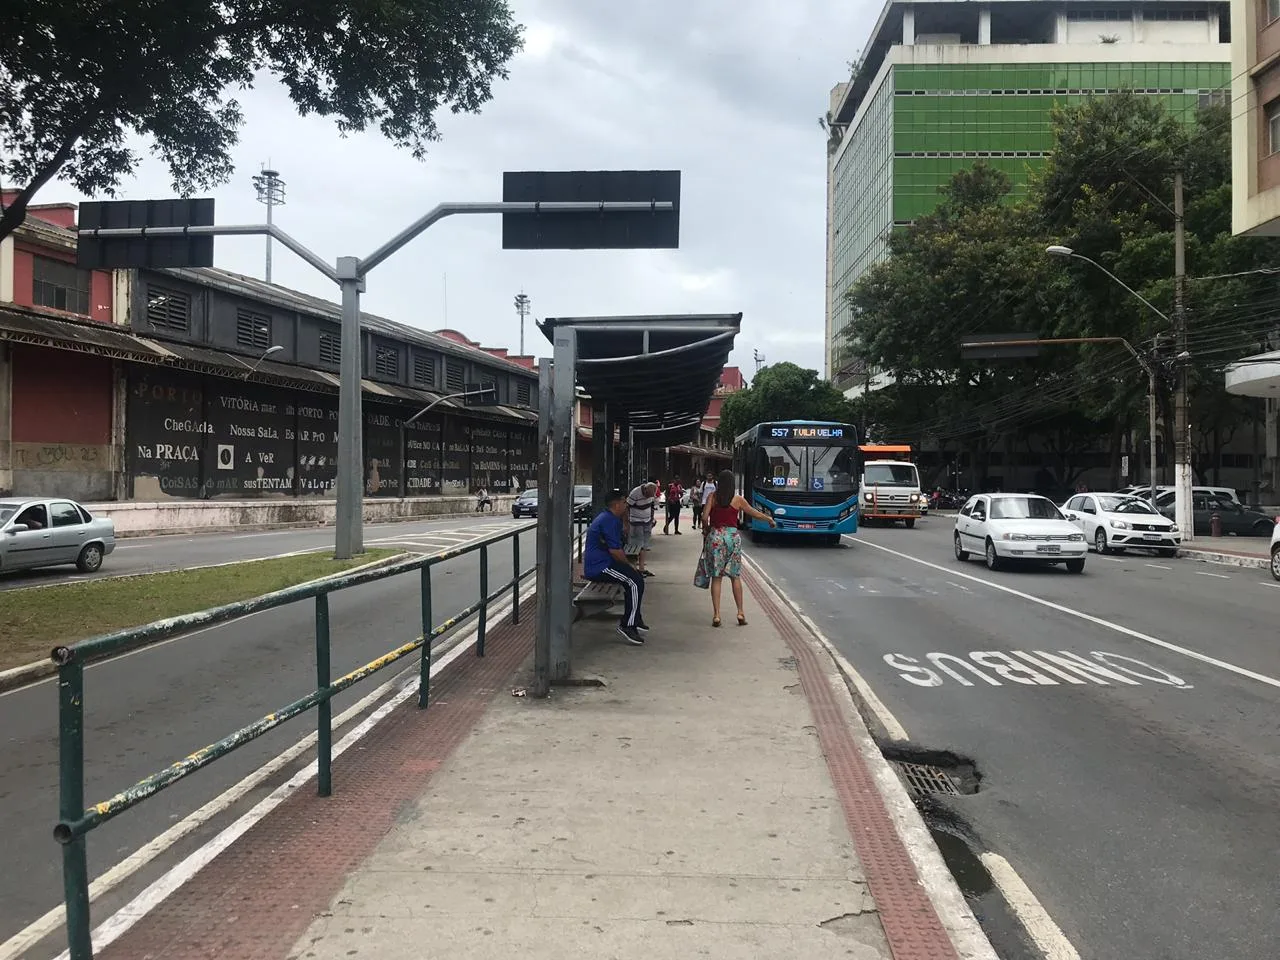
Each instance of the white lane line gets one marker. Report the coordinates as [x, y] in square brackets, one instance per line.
[1069, 611]
[1156, 566]
[1276, 585]
[892, 728]
[1052, 942]
[119, 923]
[1219, 576]
[958, 586]
[1110, 559]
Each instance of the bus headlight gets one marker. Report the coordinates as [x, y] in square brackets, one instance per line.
[867, 497]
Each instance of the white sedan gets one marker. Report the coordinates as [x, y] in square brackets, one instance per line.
[1018, 526]
[1113, 521]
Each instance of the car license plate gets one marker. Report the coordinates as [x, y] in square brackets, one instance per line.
[1151, 536]
[1048, 548]
[805, 526]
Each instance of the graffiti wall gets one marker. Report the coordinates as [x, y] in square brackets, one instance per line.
[191, 436]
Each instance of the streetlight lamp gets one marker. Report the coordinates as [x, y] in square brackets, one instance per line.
[269, 352]
[1182, 499]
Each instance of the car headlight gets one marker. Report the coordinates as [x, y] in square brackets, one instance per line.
[1173, 528]
[1076, 537]
[1013, 536]
[1120, 524]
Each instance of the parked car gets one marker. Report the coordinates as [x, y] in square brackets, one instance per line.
[1020, 527]
[36, 532]
[1111, 521]
[525, 505]
[1275, 550]
[1143, 492]
[1236, 520]
[582, 501]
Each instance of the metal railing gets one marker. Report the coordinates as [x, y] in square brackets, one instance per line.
[75, 820]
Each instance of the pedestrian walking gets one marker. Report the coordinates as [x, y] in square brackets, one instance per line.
[604, 561]
[722, 544]
[674, 493]
[641, 503]
[695, 501]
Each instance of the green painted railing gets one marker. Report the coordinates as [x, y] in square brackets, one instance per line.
[75, 820]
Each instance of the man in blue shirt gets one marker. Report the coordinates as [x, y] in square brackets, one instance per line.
[604, 561]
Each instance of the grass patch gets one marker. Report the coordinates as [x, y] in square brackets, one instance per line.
[37, 619]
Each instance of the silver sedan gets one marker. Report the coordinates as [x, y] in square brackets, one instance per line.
[37, 532]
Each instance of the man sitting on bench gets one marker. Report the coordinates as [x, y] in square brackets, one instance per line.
[605, 562]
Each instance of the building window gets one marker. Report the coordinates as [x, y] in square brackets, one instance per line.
[386, 362]
[253, 330]
[168, 309]
[455, 375]
[58, 284]
[488, 383]
[1099, 16]
[1273, 127]
[524, 393]
[424, 370]
[1273, 11]
[1167, 13]
[331, 348]
[1214, 98]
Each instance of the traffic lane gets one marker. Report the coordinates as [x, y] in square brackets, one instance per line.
[178, 552]
[145, 710]
[1142, 812]
[1225, 612]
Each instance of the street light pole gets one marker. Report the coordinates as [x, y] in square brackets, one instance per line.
[1181, 414]
[1057, 250]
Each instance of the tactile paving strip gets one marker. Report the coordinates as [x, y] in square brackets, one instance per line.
[256, 898]
[910, 922]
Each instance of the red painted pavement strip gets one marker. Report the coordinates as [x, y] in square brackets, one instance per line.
[911, 923]
[256, 899]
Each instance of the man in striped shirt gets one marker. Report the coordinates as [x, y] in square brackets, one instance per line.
[641, 503]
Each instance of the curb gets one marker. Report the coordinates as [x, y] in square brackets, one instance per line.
[29, 673]
[1226, 559]
[939, 885]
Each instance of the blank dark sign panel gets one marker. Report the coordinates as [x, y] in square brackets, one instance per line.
[107, 253]
[592, 230]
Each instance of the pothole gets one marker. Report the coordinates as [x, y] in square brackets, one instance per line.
[932, 773]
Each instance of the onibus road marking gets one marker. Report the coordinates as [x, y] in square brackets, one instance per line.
[155, 894]
[1037, 668]
[1080, 614]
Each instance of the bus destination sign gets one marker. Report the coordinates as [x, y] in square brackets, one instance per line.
[807, 433]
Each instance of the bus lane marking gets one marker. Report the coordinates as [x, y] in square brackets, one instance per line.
[1035, 668]
[1081, 615]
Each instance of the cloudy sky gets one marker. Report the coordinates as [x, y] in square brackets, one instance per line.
[727, 91]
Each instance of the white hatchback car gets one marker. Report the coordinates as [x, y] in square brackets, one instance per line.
[1275, 550]
[1112, 521]
[1005, 527]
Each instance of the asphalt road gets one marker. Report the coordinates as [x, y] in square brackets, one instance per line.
[1140, 805]
[134, 555]
[147, 709]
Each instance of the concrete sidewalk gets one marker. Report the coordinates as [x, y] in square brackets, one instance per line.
[1252, 552]
[713, 794]
[682, 809]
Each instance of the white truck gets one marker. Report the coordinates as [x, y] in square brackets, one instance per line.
[890, 485]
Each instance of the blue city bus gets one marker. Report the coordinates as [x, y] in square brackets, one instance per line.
[803, 472]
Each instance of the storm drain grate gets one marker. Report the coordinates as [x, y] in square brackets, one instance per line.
[922, 779]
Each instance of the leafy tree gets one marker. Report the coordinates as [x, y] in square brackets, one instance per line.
[79, 78]
[782, 391]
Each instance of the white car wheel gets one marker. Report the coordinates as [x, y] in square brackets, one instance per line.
[993, 558]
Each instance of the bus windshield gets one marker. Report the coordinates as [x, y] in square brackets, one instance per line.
[829, 469]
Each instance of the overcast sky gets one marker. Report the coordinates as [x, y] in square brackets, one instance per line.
[727, 91]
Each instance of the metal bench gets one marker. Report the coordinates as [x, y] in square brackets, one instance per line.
[595, 599]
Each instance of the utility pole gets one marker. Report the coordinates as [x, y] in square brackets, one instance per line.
[271, 192]
[522, 308]
[1181, 419]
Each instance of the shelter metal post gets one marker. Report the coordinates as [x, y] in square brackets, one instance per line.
[542, 634]
[558, 588]
[611, 452]
[601, 445]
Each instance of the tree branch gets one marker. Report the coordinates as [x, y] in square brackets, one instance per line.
[15, 213]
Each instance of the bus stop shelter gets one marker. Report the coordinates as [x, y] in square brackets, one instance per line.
[649, 378]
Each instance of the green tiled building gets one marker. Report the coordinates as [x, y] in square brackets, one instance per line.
[944, 84]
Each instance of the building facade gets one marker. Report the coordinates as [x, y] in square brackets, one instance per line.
[1255, 117]
[943, 84]
[204, 385]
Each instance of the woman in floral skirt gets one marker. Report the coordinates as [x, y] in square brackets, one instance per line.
[722, 544]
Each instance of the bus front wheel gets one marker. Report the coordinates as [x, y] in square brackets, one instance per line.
[911, 523]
